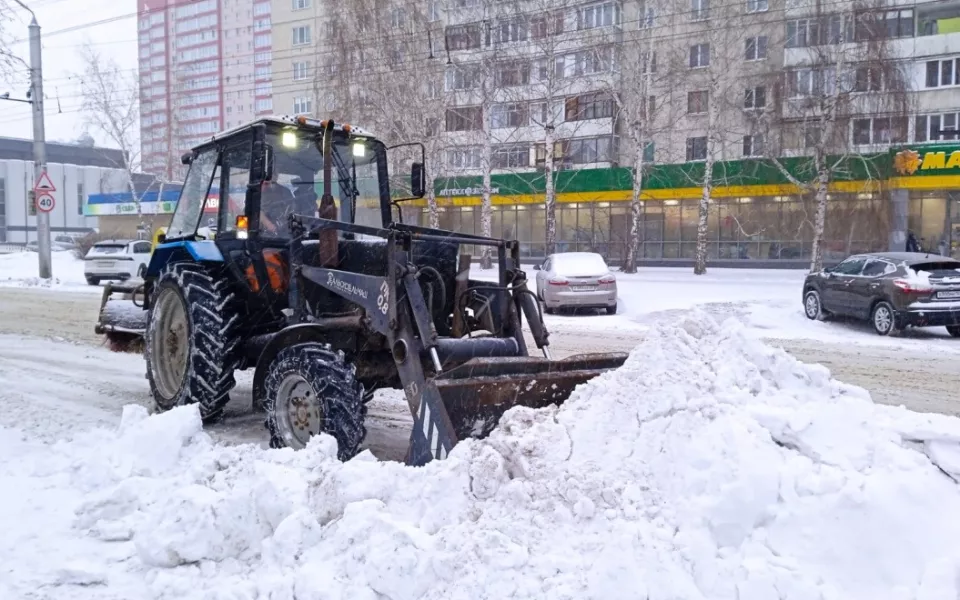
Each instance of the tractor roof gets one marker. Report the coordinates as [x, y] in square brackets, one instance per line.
[294, 120]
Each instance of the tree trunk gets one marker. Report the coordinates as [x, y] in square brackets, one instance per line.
[816, 254]
[550, 195]
[636, 212]
[700, 259]
[433, 211]
[486, 206]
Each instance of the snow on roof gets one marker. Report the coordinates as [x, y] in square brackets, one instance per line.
[709, 466]
[579, 263]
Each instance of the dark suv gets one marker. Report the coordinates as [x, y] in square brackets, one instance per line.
[893, 290]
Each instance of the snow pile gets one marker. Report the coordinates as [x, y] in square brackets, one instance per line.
[21, 269]
[709, 466]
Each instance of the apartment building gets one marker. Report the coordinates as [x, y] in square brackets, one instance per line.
[730, 82]
[204, 65]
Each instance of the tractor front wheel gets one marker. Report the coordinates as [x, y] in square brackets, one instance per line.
[190, 340]
[310, 389]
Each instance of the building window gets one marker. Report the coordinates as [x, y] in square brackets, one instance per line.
[756, 48]
[598, 105]
[463, 37]
[868, 79]
[463, 77]
[757, 6]
[301, 35]
[544, 25]
[755, 98]
[302, 105]
[802, 33]
[880, 130]
[512, 74]
[301, 70]
[696, 148]
[699, 55]
[933, 128]
[800, 83]
[942, 73]
[884, 24]
[509, 115]
[511, 30]
[584, 151]
[433, 10]
[752, 145]
[598, 15]
[464, 118]
[699, 10]
[648, 16]
[398, 17]
[510, 156]
[697, 102]
[465, 157]
[301, 4]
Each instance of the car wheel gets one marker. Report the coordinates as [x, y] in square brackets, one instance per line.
[142, 271]
[954, 330]
[93, 281]
[612, 310]
[812, 307]
[884, 319]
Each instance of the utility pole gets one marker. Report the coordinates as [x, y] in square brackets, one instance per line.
[39, 146]
[35, 99]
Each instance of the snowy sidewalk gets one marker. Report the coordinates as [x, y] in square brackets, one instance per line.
[709, 466]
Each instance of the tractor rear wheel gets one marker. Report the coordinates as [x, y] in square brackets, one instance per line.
[190, 340]
[310, 389]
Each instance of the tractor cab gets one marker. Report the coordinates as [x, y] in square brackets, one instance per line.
[261, 174]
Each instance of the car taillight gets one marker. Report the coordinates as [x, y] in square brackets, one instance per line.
[557, 281]
[912, 287]
[608, 279]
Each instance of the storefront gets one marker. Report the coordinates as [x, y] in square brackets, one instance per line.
[927, 180]
[118, 214]
[755, 212]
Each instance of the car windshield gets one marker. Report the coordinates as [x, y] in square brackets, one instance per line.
[357, 171]
[575, 264]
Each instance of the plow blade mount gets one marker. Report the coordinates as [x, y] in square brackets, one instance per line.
[475, 395]
[122, 318]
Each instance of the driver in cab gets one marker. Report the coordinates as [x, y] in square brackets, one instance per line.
[278, 202]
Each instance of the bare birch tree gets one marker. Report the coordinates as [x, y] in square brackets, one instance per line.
[636, 91]
[111, 105]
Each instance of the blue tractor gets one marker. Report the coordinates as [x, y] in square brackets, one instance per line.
[329, 298]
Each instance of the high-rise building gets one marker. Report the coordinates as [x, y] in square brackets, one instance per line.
[205, 65]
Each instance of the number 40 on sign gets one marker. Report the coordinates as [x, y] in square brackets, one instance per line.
[45, 203]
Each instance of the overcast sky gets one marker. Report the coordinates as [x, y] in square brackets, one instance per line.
[62, 68]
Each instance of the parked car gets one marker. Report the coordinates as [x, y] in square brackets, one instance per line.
[116, 260]
[576, 280]
[59, 243]
[893, 290]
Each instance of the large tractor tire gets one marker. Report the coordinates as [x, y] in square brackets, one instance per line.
[310, 389]
[191, 340]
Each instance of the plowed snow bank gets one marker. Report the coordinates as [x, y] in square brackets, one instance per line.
[709, 466]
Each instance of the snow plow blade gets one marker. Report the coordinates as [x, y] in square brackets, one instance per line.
[477, 393]
[122, 318]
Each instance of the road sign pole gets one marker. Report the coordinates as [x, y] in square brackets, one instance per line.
[39, 148]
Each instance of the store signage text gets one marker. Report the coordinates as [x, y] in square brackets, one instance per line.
[908, 162]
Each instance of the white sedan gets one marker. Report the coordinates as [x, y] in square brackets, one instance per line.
[576, 280]
[117, 260]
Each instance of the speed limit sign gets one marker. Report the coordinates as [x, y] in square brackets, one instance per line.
[45, 203]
